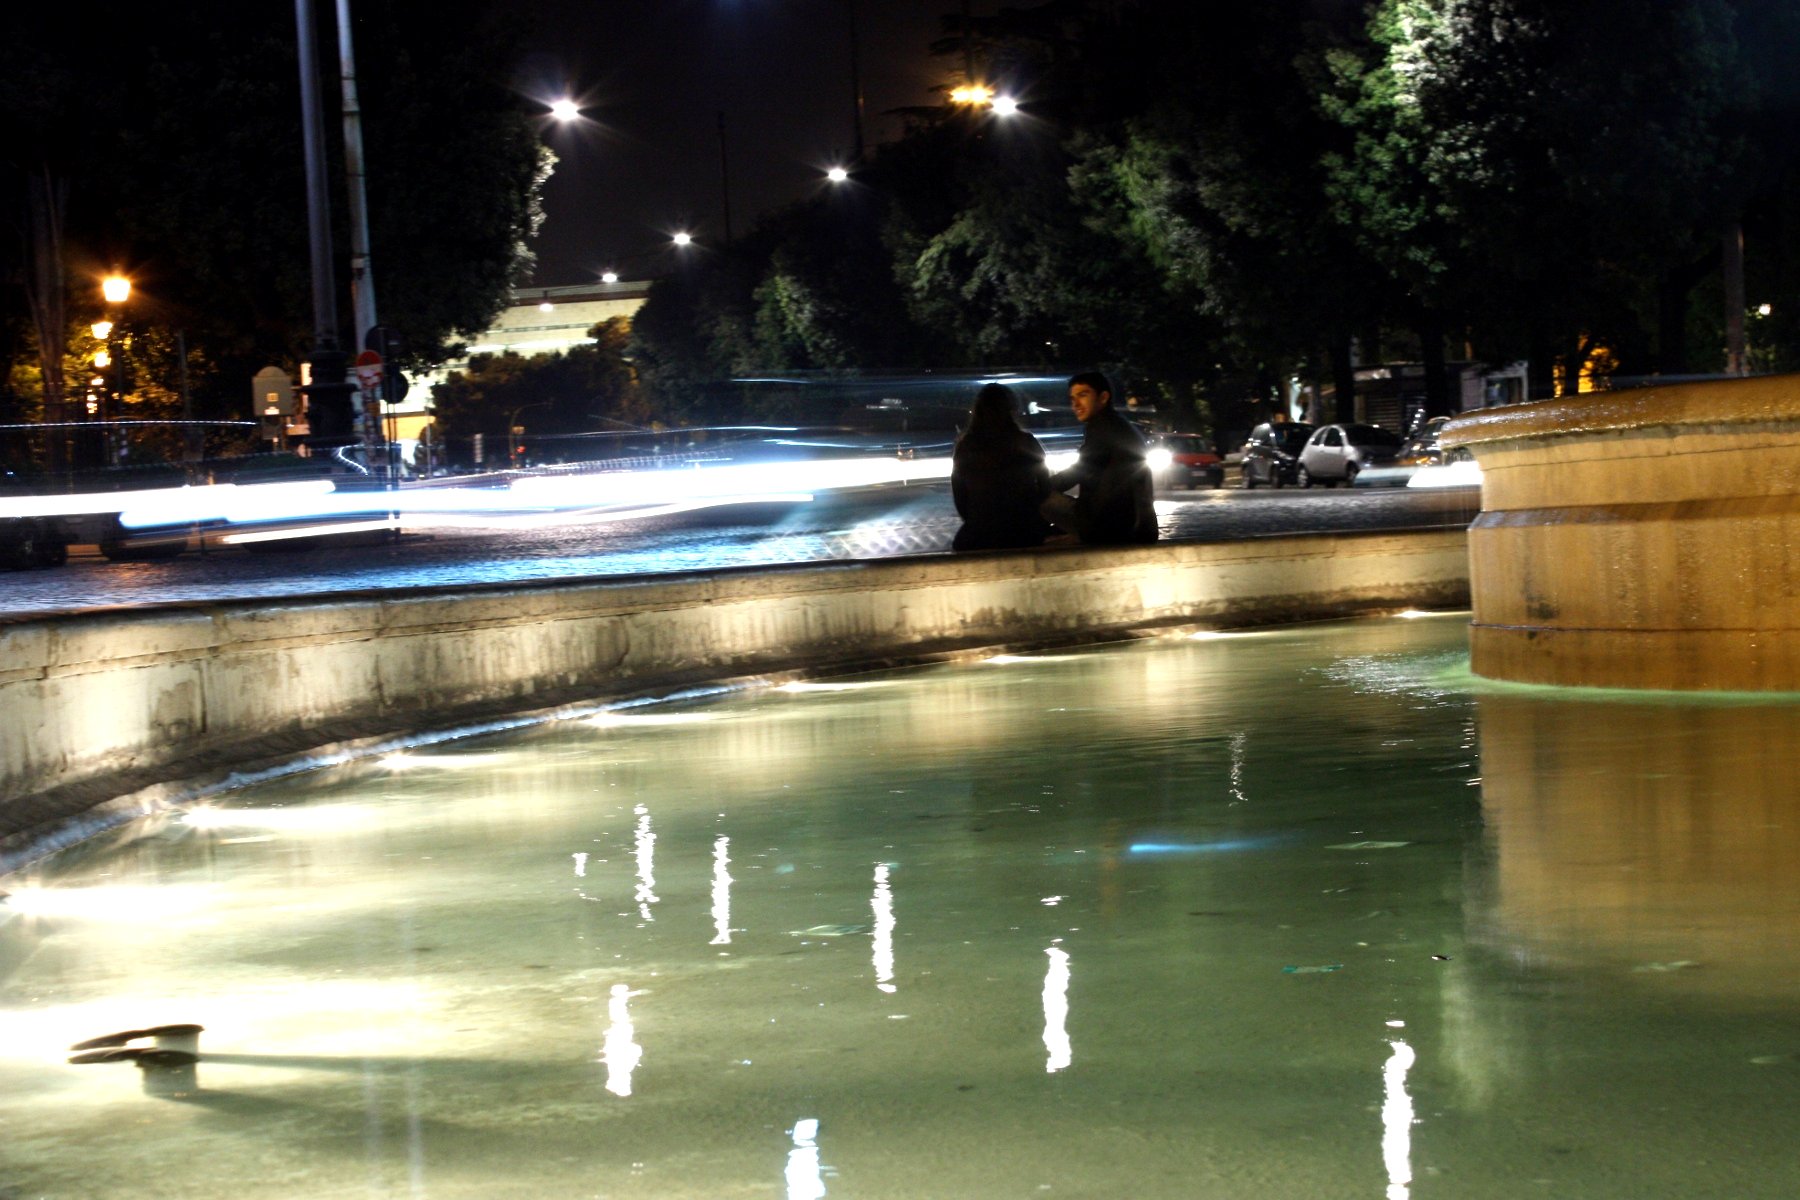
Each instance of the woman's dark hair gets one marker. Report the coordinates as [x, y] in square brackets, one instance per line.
[995, 409]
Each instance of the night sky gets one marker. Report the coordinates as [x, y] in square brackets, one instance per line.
[653, 75]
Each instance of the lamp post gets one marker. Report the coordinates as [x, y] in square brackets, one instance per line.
[115, 289]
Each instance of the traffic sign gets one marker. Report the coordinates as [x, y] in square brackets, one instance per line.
[369, 370]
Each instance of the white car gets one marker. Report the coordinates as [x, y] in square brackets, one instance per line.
[1336, 453]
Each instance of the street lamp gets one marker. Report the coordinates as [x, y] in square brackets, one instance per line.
[115, 289]
[1004, 106]
[837, 175]
[683, 238]
[565, 110]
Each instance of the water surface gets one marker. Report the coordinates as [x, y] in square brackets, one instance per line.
[1300, 913]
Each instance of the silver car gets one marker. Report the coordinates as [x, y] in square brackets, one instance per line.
[1336, 453]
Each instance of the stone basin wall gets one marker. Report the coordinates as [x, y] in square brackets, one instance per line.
[1641, 539]
[107, 714]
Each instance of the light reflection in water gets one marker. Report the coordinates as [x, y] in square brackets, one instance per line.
[646, 864]
[1056, 1011]
[1397, 1120]
[805, 1175]
[721, 893]
[580, 858]
[620, 1050]
[883, 905]
[1238, 742]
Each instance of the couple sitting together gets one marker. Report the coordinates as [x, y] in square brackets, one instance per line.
[1008, 498]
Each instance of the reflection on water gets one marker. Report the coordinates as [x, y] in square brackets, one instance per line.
[1328, 917]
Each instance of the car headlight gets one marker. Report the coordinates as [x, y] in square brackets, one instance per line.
[1160, 458]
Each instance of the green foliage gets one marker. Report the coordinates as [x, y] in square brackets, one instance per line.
[176, 130]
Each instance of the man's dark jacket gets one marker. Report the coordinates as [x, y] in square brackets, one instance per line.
[1116, 504]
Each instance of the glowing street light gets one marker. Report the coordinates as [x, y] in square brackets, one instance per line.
[684, 238]
[837, 175]
[1004, 106]
[973, 94]
[116, 289]
[609, 277]
[565, 110]
[101, 330]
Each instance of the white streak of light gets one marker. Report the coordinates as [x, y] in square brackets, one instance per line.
[805, 1177]
[721, 893]
[1056, 1011]
[646, 863]
[580, 858]
[614, 720]
[310, 818]
[1397, 1120]
[883, 936]
[1238, 742]
[111, 902]
[620, 1051]
[1456, 474]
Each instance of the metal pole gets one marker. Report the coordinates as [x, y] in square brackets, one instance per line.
[362, 277]
[318, 204]
[856, 92]
[1736, 360]
[327, 395]
[724, 178]
[192, 439]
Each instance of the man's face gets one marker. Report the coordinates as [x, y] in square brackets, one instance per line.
[1086, 401]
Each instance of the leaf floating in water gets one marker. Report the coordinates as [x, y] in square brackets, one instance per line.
[1679, 964]
[829, 931]
[1312, 970]
[1368, 845]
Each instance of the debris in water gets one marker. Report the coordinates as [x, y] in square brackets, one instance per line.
[1368, 845]
[1312, 970]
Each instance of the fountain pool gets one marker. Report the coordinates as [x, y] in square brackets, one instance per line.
[1306, 912]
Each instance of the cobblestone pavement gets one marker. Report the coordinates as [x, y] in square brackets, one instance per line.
[880, 524]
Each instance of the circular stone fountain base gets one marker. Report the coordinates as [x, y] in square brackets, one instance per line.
[1644, 539]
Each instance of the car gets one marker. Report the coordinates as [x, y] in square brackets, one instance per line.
[1338, 453]
[1186, 460]
[1271, 456]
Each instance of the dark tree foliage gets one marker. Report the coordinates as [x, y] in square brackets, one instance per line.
[174, 132]
[1209, 197]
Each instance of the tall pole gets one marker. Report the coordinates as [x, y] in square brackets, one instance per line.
[362, 277]
[327, 395]
[1736, 360]
[856, 92]
[724, 178]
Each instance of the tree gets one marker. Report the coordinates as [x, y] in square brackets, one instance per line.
[168, 140]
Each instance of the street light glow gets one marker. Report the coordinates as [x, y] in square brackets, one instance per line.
[974, 94]
[565, 110]
[1005, 106]
[102, 330]
[837, 174]
[116, 289]
[609, 277]
[684, 238]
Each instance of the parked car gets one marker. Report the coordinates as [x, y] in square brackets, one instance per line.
[1186, 460]
[1338, 453]
[1272, 455]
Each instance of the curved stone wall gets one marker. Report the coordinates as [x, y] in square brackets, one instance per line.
[105, 705]
[1648, 539]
